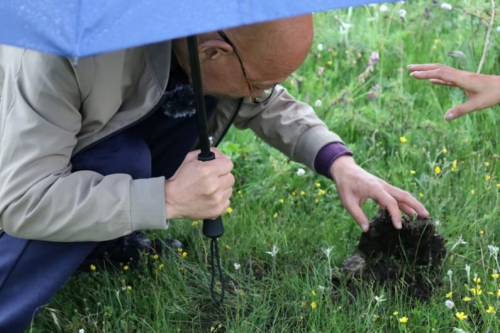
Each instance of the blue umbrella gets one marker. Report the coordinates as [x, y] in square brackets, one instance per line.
[79, 28]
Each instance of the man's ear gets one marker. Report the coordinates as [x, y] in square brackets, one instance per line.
[213, 49]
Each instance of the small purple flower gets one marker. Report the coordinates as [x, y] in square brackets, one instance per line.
[374, 58]
[376, 86]
[372, 95]
[320, 71]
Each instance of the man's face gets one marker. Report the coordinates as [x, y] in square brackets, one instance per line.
[228, 79]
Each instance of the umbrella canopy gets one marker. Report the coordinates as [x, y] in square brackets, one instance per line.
[78, 28]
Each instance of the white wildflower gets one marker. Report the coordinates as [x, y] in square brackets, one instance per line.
[236, 266]
[328, 252]
[498, 28]
[467, 269]
[300, 172]
[320, 47]
[318, 103]
[380, 299]
[321, 289]
[493, 250]
[402, 13]
[449, 304]
[446, 6]
[450, 275]
[383, 8]
[275, 249]
[460, 241]
[81, 330]
[458, 330]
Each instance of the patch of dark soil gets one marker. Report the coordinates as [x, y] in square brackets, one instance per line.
[407, 261]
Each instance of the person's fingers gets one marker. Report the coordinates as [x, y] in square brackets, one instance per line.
[217, 152]
[460, 110]
[424, 67]
[226, 181]
[407, 209]
[220, 166]
[441, 82]
[407, 199]
[357, 213]
[442, 74]
[387, 202]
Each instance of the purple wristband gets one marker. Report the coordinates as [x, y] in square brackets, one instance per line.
[327, 155]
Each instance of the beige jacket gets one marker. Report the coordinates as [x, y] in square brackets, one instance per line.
[50, 110]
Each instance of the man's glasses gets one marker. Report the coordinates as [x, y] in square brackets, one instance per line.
[257, 99]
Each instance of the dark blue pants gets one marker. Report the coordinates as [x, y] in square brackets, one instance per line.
[32, 271]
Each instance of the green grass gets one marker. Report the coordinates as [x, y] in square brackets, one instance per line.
[275, 294]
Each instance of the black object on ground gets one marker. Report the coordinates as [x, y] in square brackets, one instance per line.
[405, 261]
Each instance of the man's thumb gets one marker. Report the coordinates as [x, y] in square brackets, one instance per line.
[460, 110]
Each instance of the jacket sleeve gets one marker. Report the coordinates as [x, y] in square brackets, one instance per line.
[288, 125]
[40, 198]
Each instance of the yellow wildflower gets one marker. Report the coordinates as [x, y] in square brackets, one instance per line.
[476, 291]
[481, 233]
[316, 200]
[445, 151]
[461, 315]
[321, 192]
[160, 266]
[487, 177]
[314, 305]
[242, 292]
[227, 247]
[156, 256]
[329, 63]
[448, 295]
[395, 313]
[302, 193]
[293, 193]
[487, 164]
[318, 184]
[490, 293]
[195, 223]
[275, 215]
[129, 287]
[229, 210]
[403, 320]
[212, 329]
[421, 195]
[313, 292]
[498, 185]
[178, 250]
[304, 304]
[495, 276]
[477, 280]
[93, 268]
[437, 170]
[466, 299]
[413, 172]
[498, 293]
[126, 268]
[403, 139]
[454, 166]
[281, 201]
[472, 192]
[184, 254]
[491, 310]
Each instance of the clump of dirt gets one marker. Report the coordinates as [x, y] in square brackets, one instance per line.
[407, 260]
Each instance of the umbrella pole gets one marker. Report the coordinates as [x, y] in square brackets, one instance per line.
[211, 228]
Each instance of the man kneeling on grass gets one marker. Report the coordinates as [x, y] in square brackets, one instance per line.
[97, 152]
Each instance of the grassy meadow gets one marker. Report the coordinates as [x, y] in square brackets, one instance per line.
[394, 125]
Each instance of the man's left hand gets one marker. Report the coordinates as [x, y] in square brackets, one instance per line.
[355, 186]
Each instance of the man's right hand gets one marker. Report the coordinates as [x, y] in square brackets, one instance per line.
[200, 190]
